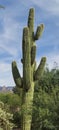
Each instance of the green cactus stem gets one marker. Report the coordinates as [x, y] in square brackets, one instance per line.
[39, 72]
[33, 54]
[39, 31]
[26, 59]
[31, 20]
[30, 74]
[16, 75]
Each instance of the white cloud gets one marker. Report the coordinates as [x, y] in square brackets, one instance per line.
[10, 38]
[7, 49]
[5, 74]
[4, 67]
[51, 59]
[52, 6]
[10, 44]
[6, 77]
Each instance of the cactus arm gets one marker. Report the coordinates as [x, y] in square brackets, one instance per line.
[39, 72]
[26, 59]
[31, 20]
[16, 75]
[33, 54]
[31, 25]
[39, 32]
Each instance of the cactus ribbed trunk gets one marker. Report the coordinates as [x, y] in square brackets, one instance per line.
[27, 108]
[30, 74]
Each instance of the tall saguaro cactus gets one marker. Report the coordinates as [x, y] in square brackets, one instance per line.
[30, 74]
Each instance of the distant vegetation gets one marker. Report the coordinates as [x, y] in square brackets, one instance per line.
[46, 102]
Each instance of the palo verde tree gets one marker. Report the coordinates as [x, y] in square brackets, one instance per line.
[31, 74]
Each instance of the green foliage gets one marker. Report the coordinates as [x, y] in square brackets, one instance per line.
[17, 119]
[11, 101]
[5, 118]
[1, 128]
[46, 102]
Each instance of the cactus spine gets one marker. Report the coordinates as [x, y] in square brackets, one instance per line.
[30, 74]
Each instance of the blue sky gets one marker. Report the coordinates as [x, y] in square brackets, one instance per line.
[12, 20]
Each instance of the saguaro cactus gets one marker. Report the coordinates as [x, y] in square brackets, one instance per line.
[30, 74]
